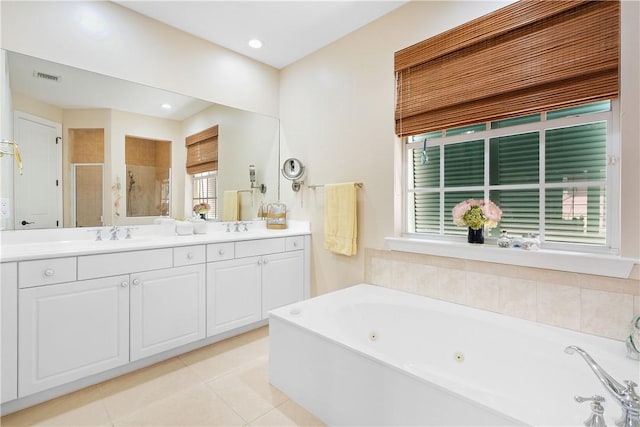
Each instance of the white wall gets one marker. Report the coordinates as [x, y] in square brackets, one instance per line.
[337, 113]
[132, 47]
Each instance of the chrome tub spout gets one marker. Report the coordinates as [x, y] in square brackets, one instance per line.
[633, 340]
[625, 395]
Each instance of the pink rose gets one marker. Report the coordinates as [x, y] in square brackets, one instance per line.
[492, 212]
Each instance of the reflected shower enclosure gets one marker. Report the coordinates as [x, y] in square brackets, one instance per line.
[148, 164]
[86, 162]
[88, 182]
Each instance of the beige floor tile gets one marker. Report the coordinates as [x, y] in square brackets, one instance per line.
[288, 414]
[81, 408]
[223, 357]
[195, 406]
[248, 391]
[128, 393]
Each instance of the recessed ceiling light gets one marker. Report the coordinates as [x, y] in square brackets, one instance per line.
[166, 106]
[91, 21]
[255, 43]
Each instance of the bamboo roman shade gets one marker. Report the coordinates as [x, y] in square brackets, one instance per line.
[202, 151]
[524, 58]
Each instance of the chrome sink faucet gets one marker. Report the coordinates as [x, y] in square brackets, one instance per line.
[114, 232]
[238, 224]
[625, 395]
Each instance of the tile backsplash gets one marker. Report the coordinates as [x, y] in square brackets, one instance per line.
[596, 305]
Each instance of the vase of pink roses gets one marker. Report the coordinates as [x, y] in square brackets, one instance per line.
[476, 215]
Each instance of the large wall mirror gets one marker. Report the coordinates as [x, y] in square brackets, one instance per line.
[121, 156]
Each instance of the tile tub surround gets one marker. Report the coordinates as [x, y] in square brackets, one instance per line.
[595, 305]
[223, 384]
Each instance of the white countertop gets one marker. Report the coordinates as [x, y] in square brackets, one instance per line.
[55, 243]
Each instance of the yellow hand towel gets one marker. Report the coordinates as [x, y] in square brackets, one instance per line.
[230, 206]
[340, 218]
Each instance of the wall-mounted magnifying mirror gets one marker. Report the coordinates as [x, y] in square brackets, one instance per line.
[293, 170]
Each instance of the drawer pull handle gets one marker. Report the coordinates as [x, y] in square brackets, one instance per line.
[189, 255]
[264, 261]
[49, 272]
[259, 262]
[295, 244]
[136, 282]
[124, 284]
[221, 252]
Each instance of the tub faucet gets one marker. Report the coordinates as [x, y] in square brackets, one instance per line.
[596, 419]
[625, 395]
[633, 340]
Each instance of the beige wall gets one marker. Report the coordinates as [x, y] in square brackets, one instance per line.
[337, 113]
[337, 117]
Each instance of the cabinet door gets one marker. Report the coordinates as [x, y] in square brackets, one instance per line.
[9, 322]
[167, 309]
[233, 294]
[71, 330]
[282, 280]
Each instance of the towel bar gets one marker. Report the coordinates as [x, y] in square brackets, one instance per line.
[313, 187]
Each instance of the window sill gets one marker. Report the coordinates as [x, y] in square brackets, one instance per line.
[576, 262]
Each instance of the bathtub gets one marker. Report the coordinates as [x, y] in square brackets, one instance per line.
[368, 355]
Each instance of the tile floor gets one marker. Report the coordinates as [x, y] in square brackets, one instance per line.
[223, 384]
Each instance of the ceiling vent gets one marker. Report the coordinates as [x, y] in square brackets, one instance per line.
[45, 76]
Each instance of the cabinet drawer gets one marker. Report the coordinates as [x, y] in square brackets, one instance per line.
[188, 255]
[46, 271]
[103, 265]
[295, 243]
[259, 247]
[220, 251]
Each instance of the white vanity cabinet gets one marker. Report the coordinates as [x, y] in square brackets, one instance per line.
[75, 318]
[233, 294]
[282, 279]
[264, 275]
[9, 322]
[71, 330]
[167, 309]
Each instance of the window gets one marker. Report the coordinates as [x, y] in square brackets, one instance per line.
[202, 165]
[205, 189]
[549, 173]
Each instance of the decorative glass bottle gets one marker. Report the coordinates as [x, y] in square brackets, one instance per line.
[504, 241]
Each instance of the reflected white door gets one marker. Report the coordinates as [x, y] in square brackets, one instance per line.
[38, 191]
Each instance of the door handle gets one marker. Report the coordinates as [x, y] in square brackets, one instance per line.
[23, 222]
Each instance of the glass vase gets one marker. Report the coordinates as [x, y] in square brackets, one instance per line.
[476, 236]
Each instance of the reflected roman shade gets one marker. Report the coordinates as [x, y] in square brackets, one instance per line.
[524, 58]
[202, 151]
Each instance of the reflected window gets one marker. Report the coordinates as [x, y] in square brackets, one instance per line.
[205, 189]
